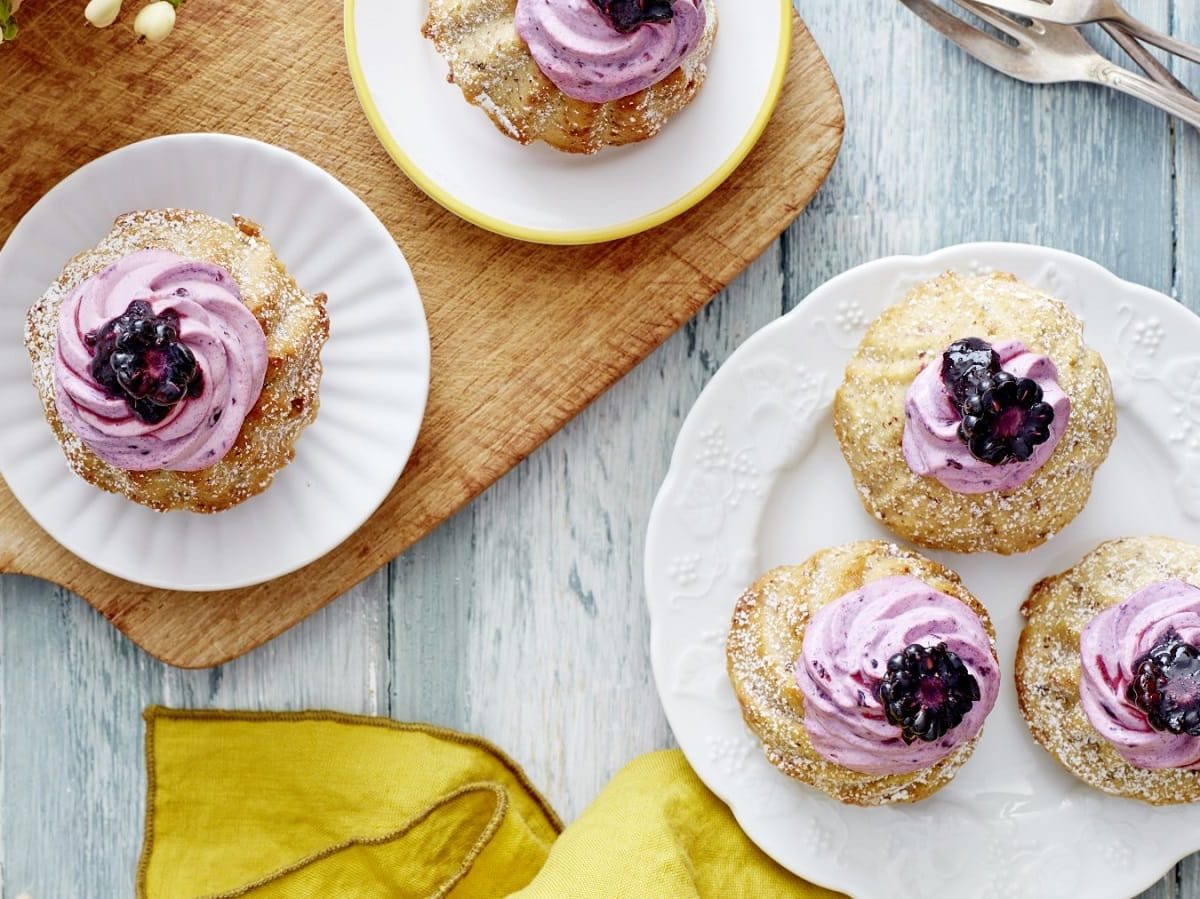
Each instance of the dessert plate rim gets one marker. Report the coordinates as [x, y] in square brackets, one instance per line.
[564, 236]
[690, 592]
[104, 188]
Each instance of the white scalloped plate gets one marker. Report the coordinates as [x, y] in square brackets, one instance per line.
[757, 480]
[372, 393]
[453, 152]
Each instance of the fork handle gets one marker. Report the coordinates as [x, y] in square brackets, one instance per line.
[1144, 58]
[1144, 89]
[1156, 37]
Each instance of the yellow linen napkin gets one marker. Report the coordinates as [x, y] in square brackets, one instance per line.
[320, 804]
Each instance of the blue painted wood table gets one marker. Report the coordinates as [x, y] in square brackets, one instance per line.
[523, 618]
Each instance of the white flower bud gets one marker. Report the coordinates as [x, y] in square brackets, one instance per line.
[102, 13]
[155, 21]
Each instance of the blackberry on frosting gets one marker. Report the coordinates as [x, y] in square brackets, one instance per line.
[139, 357]
[1004, 418]
[627, 15]
[927, 691]
[1001, 417]
[966, 364]
[985, 430]
[1165, 685]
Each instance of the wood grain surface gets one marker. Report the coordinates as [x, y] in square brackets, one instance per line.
[523, 618]
[523, 336]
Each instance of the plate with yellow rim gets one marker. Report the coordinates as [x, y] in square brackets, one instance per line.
[453, 152]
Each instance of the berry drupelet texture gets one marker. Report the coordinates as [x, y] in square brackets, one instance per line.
[1004, 417]
[138, 357]
[1166, 686]
[628, 15]
[926, 692]
[965, 363]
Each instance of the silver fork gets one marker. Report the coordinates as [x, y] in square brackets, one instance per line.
[1081, 12]
[1046, 53]
[1149, 63]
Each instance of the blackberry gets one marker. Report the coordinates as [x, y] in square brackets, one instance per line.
[965, 363]
[628, 15]
[1166, 686]
[1004, 417]
[138, 357]
[926, 692]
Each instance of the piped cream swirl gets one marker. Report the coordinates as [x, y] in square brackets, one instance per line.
[844, 657]
[223, 335]
[1111, 646]
[586, 58]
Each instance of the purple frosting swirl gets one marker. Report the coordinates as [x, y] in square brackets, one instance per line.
[223, 335]
[846, 648]
[1110, 647]
[586, 58]
[932, 447]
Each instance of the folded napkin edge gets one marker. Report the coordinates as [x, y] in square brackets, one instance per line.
[154, 713]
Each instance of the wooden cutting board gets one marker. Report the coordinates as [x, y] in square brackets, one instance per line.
[524, 336]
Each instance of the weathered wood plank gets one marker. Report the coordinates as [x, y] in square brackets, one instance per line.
[1185, 21]
[1187, 169]
[523, 618]
[1186, 883]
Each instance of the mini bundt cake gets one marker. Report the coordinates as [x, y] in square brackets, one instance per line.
[867, 671]
[973, 417]
[577, 74]
[178, 361]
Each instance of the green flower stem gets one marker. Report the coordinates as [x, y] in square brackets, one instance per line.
[8, 25]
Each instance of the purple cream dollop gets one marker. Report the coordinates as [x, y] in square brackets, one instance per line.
[846, 648]
[586, 58]
[1111, 646]
[223, 335]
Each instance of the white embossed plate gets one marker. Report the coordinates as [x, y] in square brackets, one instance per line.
[757, 480]
[372, 392]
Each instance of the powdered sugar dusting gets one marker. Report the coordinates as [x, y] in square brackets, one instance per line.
[495, 71]
[489, 106]
[767, 636]
[869, 415]
[1048, 666]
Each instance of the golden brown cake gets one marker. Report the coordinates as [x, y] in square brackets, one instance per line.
[809, 652]
[900, 427]
[497, 71]
[1089, 633]
[145, 346]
